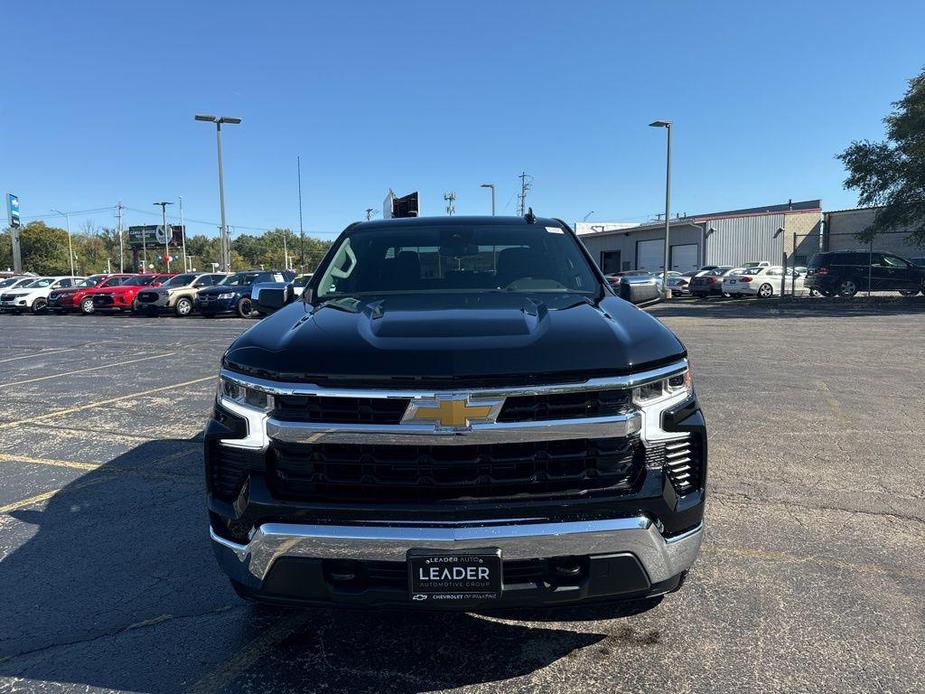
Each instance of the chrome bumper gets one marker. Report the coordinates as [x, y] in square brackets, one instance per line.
[661, 557]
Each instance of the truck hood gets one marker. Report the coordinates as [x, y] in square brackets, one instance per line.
[472, 339]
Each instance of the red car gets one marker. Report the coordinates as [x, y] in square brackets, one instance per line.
[121, 297]
[72, 298]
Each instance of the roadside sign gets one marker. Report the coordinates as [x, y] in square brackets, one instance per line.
[12, 210]
[154, 235]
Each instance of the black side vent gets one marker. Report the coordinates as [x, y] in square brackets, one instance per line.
[682, 464]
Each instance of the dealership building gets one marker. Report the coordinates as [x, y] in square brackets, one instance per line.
[732, 237]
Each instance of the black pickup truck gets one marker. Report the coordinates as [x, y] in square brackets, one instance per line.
[457, 414]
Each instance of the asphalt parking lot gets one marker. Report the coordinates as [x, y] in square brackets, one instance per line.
[811, 578]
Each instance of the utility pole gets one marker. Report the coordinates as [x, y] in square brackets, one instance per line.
[119, 209]
[298, 161]
[285, 252]
[167, 233]
[369, 213]
[450, 202]
[525, 185]
[183, 235]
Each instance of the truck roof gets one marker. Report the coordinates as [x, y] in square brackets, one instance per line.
[455, 220]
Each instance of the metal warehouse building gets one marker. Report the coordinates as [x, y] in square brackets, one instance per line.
[718, 238]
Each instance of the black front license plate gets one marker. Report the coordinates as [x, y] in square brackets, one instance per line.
[466, 575]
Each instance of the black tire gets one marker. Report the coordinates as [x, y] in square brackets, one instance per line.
[245, 307]
[908, 292]
[765, 291]
[847, 288]
[86, 306]
[39, 305]
[183, 307]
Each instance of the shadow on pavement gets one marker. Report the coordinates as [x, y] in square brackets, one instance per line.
[113, 584]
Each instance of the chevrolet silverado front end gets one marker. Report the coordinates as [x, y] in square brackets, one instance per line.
[459, 414]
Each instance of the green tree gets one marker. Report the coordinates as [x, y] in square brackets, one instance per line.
[891, 174]
[44, 249]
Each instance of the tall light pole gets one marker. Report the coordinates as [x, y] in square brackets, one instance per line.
[70, 247]
[492, 186]
[166, 232]
[218, 120]
[585, 218]
[298, 161]
[666, 292]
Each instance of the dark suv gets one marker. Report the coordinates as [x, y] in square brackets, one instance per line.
[845, 273]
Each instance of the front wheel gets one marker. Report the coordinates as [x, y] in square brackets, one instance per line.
[765, 291]
[86, 307]
[847, 288]
[245, 307]
[39, 305]
[184, 307]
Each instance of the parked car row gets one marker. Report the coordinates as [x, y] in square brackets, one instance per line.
[836, 273]
[209, 293]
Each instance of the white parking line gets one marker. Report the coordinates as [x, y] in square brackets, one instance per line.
[80, 371]
[34, 355]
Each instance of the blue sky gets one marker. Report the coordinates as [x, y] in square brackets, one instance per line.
[437, 96]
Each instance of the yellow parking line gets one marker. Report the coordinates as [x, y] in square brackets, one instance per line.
[38, 354]
[38, 498]
[7, 458]
[45, 496]
[263, 644]
[102, 403]
[80, 371]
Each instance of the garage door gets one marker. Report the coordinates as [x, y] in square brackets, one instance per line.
[684, 257]
[650, 255]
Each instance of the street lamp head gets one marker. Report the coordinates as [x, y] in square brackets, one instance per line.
[487, 185]
[162, 203]
[660, 124]
[205, 117]
[233, 120]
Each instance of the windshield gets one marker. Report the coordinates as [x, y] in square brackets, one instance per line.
[139, 281]
[9, 281]
[457, 258]
[240, 279]
[180, 281]
[40, 282]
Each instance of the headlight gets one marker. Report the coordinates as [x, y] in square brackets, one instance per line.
[664, 389]
[654, 398]
[249, 397]
[226, 295]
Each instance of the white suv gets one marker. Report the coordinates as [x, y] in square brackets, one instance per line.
[34, 295]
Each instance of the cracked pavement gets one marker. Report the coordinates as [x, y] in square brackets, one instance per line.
[810, 577]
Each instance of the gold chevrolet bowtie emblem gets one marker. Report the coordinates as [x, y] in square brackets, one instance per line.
[453, 412]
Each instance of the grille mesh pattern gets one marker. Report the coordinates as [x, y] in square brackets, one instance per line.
[314, 408]
[423, 474]
[537, 408]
